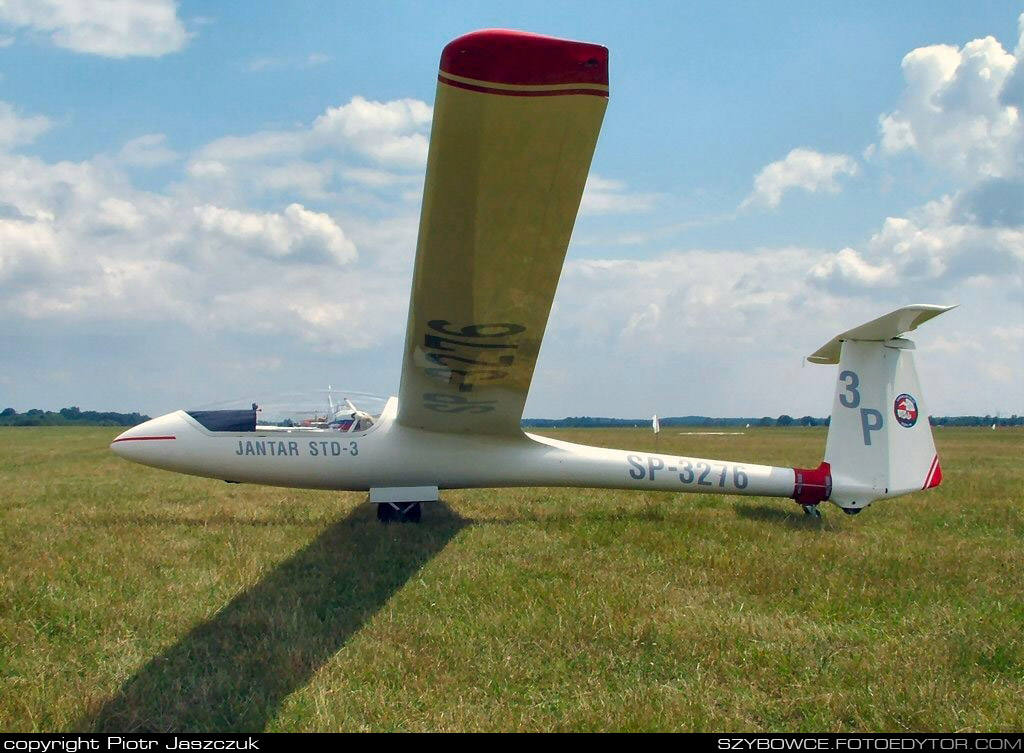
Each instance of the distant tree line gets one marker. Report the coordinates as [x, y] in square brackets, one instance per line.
[73, 416]
[591, 422]
[999, 421]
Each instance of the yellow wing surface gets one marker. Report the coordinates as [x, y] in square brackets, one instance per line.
[516, 120]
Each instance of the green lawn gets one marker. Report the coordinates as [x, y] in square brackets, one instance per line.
[133, 598]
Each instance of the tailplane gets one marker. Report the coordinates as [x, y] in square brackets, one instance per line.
[879, 440]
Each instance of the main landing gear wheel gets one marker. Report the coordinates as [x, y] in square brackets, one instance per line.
[399, 512]
[812, 512]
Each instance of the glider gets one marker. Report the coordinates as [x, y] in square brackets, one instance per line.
[516, 121]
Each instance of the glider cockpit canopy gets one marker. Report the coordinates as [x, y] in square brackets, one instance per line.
[313, 411]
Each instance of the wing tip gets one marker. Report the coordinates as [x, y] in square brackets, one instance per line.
[519, 58]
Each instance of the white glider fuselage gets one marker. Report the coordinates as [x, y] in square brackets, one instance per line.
[515, 124]
[390, 455]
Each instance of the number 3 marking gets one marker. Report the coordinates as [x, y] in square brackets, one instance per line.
[850, 398]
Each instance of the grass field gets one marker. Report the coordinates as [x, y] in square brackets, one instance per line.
[133, 598]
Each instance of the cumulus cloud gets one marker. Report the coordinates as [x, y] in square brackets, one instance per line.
[79, 243]
[996, 202]
[393, 133]
[259, 65]
[297, 233]
[689, 329]
[605, 196]
[802, 168]
[955, 115]
[379, 145]
[260, 233]
[935, 248]
[693, 331]
[110, 28]
[27, 249]
[150, 150]
[16, 129]
[961, 109]
[694, 291]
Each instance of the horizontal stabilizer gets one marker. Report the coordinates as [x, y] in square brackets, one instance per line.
[884, 328]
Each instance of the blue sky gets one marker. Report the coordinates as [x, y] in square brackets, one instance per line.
[200, 201]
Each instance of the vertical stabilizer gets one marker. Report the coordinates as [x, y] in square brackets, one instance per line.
[879, 441]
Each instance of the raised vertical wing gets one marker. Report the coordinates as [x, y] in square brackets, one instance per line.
[516, 120]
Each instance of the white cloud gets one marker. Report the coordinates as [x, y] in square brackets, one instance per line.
[26, 248]
[605, 196]
[111, 28]
[802, 168]
[381, 145]
[960, 111]
[16, 130]
[392, 132]
[694, 291]
[932, 249]
[297, 233]
[258, 65]
[262, 64]
[727, 332]
[80, 243]
[260, 233]
[954, 114]
[150, 150]
[376, 178]
[255, 146]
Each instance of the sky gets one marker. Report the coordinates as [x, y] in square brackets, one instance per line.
[205, 201]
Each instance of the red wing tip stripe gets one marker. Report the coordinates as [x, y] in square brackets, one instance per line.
[538, 92]
[139, 439]
[934, 477]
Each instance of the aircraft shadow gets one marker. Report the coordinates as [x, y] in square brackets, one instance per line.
[233, 672]
[792, 518]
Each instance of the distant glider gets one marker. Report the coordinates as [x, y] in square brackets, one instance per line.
[516, 121]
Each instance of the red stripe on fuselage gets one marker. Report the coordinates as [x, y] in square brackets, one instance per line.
[140, 439]
[812, 485]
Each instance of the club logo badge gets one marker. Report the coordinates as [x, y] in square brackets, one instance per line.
[905, 410]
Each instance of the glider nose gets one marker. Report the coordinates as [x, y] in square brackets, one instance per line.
[149, 439]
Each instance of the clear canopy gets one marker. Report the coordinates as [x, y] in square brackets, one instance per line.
[327, 410]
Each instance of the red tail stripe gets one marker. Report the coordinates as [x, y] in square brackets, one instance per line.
[934, 477]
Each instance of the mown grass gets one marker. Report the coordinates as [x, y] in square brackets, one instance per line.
[132, 598]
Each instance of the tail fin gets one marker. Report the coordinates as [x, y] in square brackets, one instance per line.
[879, 439]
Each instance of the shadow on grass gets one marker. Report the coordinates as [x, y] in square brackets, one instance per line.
[234, 671]
[791, 517]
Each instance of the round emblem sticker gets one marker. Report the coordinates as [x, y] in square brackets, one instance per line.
[905, 409]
